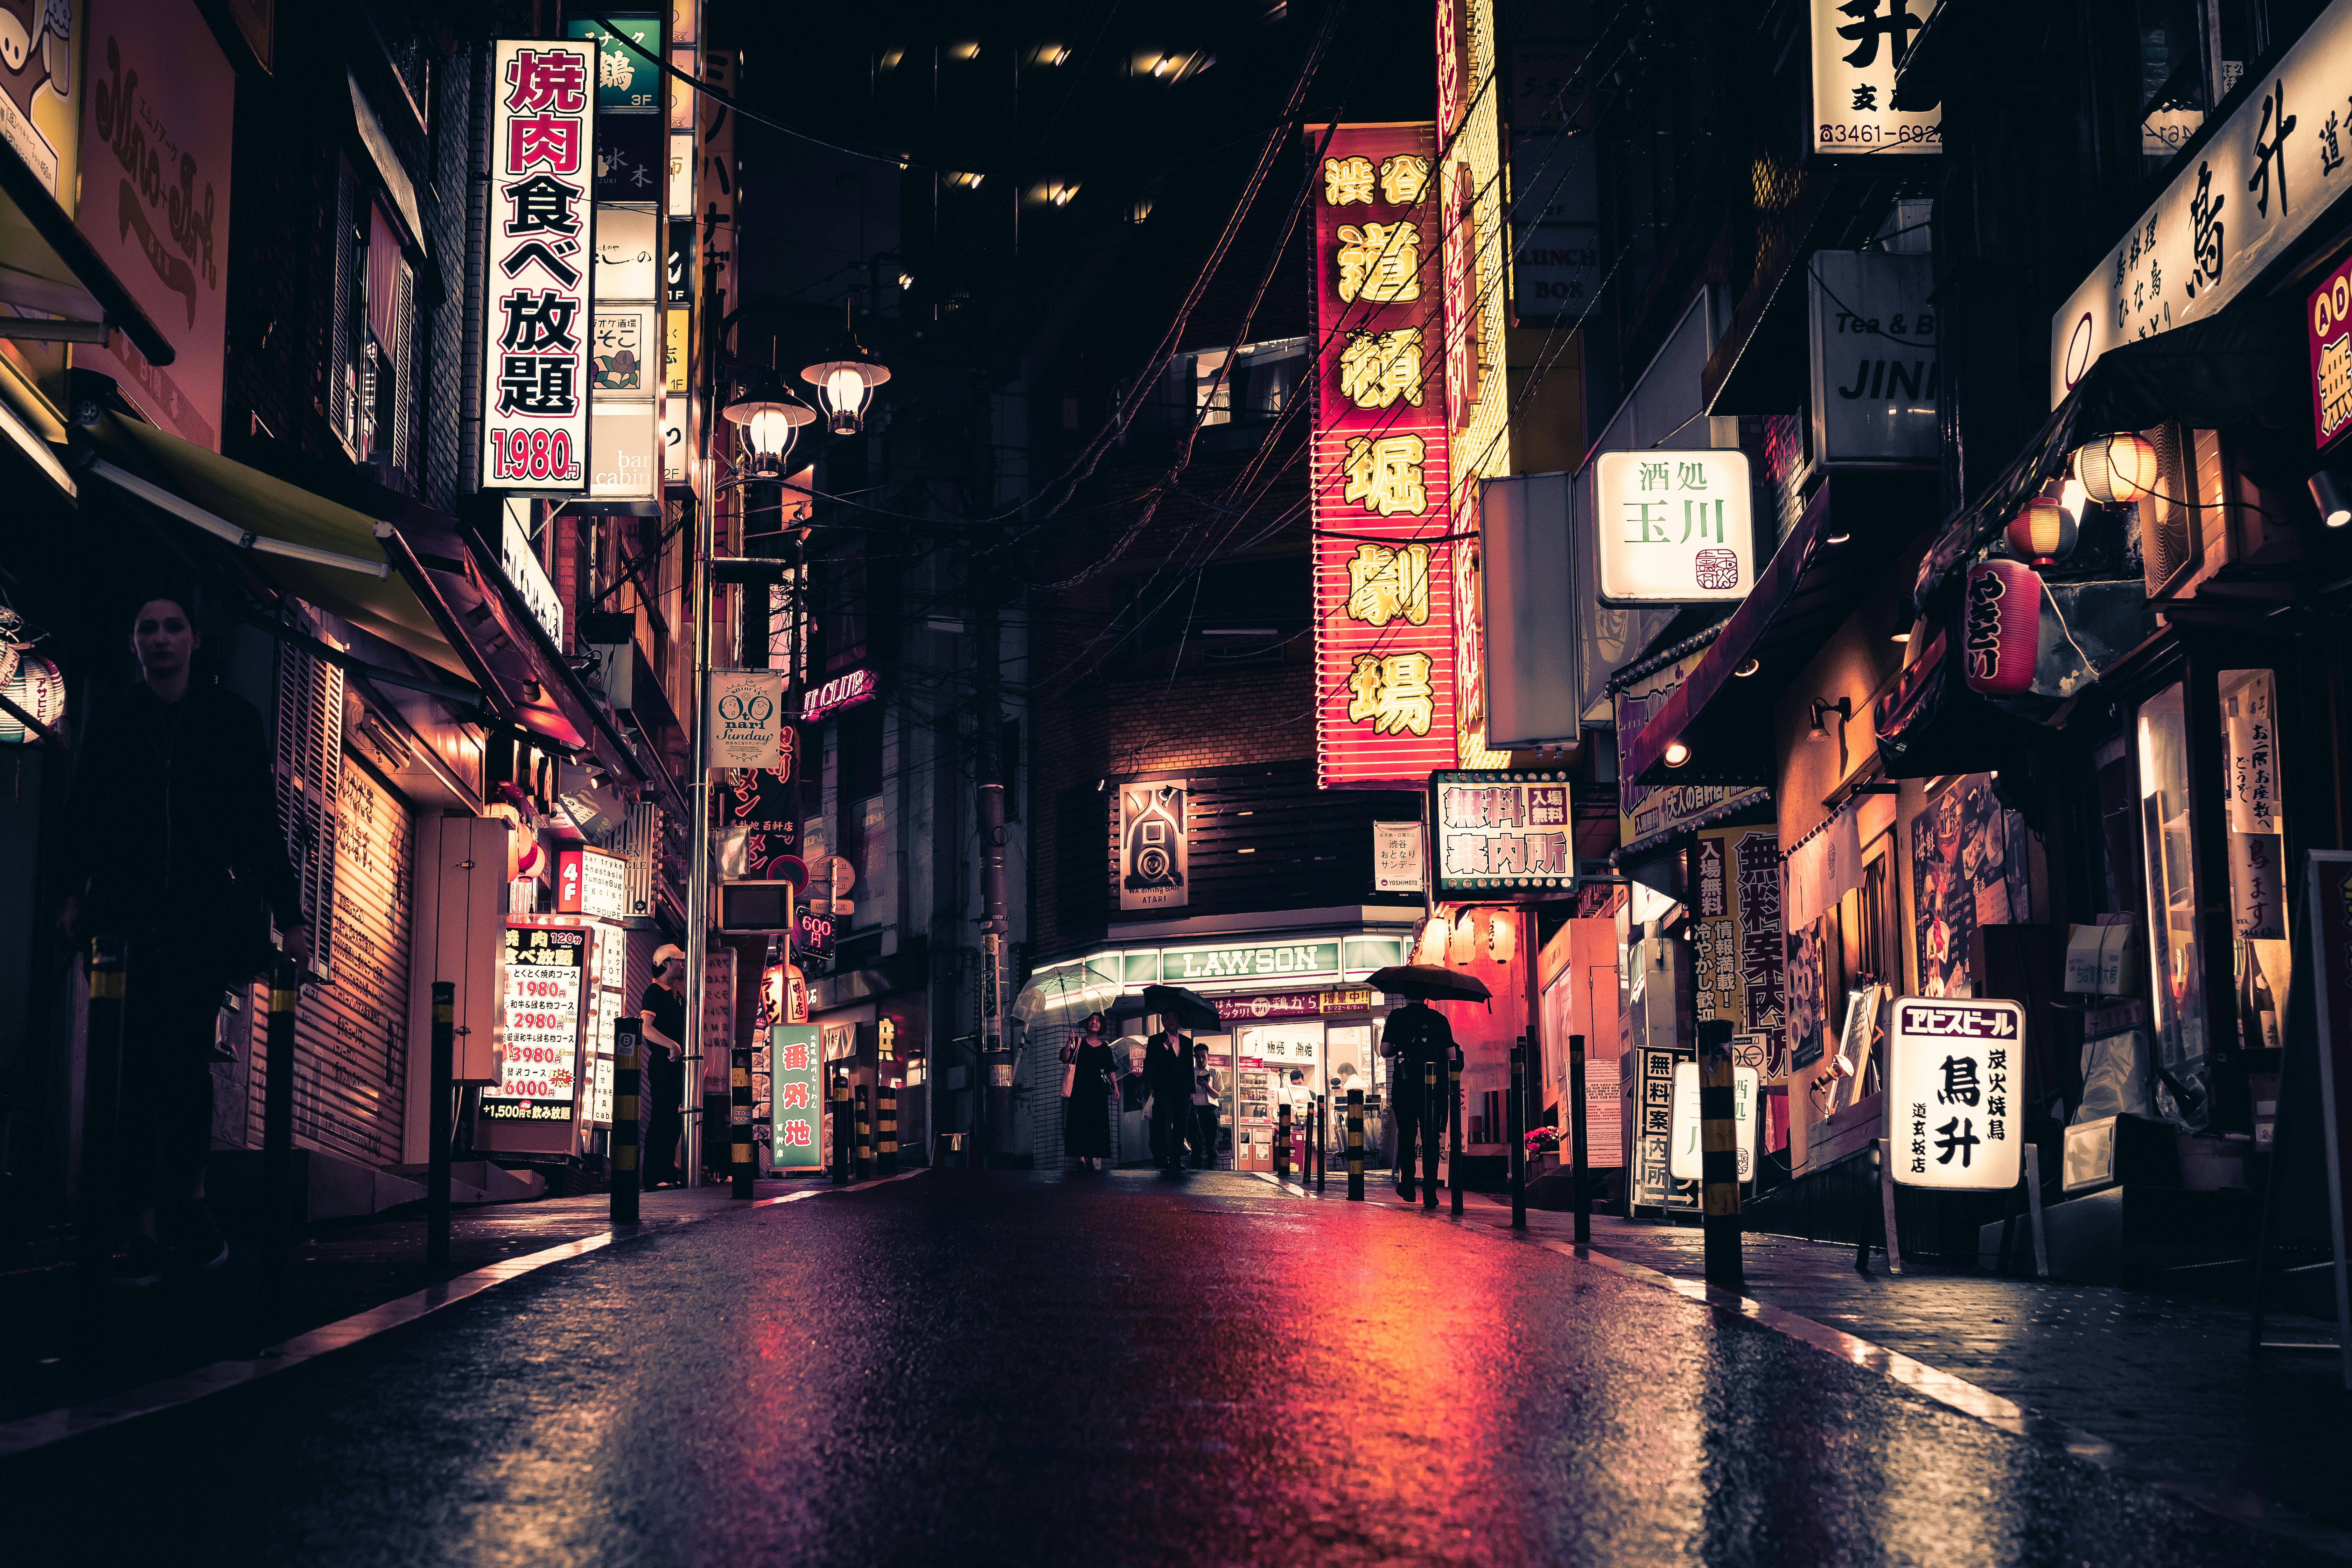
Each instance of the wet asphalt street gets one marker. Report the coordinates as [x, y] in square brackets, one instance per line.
[1009, 1368]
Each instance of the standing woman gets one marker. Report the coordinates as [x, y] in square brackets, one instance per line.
[1086, 1096]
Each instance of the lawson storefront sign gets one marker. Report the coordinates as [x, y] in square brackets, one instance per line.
[1311, 963]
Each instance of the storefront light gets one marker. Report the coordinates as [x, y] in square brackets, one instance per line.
[1676, 753]
[2332, 492]
[766, 418]
[2117, 470]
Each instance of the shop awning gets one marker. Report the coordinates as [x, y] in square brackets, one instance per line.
[47, 265]
[399, 570]
[1810, 585]
[2246, 366]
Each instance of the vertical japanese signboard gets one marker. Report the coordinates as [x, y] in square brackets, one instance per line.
[1955, 1071]
[625, 373]
[1675, 528]
[2327, 316]
[154, 145]
[1736, 942]
[539, 326]
[1154, 861]
[1858, 46]
[546, 979]
[1501, 833]
[1384, 659]
[794, 1073]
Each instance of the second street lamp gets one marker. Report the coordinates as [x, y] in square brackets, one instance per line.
[845, 380]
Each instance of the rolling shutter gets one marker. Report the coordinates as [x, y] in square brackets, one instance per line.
[308, 773]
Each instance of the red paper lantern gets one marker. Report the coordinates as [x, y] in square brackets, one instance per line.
[2002, 627]
[2043, 532]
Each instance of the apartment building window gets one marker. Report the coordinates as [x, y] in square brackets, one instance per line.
[370, 358]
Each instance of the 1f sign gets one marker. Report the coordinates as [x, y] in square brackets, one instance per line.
[536, 273]
[1953, 1107]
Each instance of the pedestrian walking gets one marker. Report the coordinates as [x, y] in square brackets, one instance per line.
[1206, 1096]
[1167, 1074]
[170, 839]
[1086, 1096]
[1414, 1034]
[662, 1011]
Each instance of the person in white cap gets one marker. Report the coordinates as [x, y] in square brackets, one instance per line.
[662, 1011]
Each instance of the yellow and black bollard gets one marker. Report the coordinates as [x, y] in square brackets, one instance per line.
[1322, 1137]
[1431, 1124]
[442, 1068]
[1454, 1132]
[1355, 1145]
[626, 1093]
[1282, 1142]
[284, 1205]
[102, 1117]
[743, 1163]
[887, 1128]
[840, 1129]
[1718, 1145]
[865, 1135]
[1516, 1097]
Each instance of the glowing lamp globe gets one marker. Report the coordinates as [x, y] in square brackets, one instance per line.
[2042, 532]
[845, 386]
[766, 418]
[2117, 470]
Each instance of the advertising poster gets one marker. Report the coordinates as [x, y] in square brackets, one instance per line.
[1154, 857]
[1967, 869]
[546, 981]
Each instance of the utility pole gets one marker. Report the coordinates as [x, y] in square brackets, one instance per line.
[995, 926]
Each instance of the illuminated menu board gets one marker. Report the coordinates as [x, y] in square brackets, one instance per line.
[546, 973]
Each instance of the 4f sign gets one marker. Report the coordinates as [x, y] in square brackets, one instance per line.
[536, 267]
[1676, 528]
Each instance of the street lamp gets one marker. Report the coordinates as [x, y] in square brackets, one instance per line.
[766, 417]
[846, 381]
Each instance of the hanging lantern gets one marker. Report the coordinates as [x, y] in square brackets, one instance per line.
[2117, 470]
[2043, 532]
[2001, 621]
[1464, 946]
[1503, 936]
[1429, 942]
[37, 688]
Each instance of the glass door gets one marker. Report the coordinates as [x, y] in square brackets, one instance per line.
[2175, 951]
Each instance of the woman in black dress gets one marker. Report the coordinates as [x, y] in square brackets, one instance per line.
[1085, 1109]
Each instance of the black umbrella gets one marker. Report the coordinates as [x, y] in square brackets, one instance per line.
[1429, 983]
[1188, 1009]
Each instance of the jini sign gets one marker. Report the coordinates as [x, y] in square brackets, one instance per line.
[537, 266]
[1676, 528]
[1952, 1109]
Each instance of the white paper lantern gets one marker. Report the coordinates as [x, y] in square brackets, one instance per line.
[39, 690]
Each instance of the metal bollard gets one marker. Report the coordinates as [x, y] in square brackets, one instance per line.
[278, 1122]
[1517, 1128]
[1576, 1138]
[443, 1068]
[627, 1092]
[886, 1123]
[742, 1165]
[865, 1152]
[101, 1116]
[1428, 1135]
[1453, 1129]
[1718, 1155]
[1355, 1145]
[1282, 1142]
[840, 1129]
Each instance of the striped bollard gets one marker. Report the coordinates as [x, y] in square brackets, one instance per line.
[840, 1130]
[1718, 1155]
[626, 1121]
[1430, 1134]
[1322, 1137]
[865, 1167]
[442, 1068]
[743, 1168]
[1517, 1095]
[1355, 1145]
[887, 1128]
[95, 1219]
[1454, 1130]
[285, 1208]
[1282, 1142]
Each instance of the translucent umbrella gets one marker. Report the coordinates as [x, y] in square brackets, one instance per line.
[1060, 994]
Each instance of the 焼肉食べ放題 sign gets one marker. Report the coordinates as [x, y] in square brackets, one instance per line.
[539, 1033]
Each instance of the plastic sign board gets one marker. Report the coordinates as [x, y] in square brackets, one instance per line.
[1683, 1160]
[2327, 315]
[592, 882]
[1398, 860]
[795, 1074]
[1154, 862]
[1875, 369]
[538, 267]
[746, 719]
[2249, 193]
[546, 976]
[1381, 468]
[1674, 528]
[1955, 1068]
[1858, 45]
[1502, 833]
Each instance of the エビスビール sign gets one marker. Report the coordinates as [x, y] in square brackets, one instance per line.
[1956, 1067]
[536, 326]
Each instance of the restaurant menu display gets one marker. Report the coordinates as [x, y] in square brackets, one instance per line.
[546, 973]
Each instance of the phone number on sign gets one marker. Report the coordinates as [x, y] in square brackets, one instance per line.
[521, 454]
[1829, 133]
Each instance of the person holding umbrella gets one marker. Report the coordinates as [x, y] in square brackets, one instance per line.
[1086, 1096]
[1167, 1074]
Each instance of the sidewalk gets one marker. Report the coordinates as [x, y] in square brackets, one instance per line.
[2168, 1381]
[340, 1267]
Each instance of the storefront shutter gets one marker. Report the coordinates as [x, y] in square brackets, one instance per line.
[350, 1037]
[308, 773]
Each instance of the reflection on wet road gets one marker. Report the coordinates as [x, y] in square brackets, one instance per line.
[1102, 1370]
